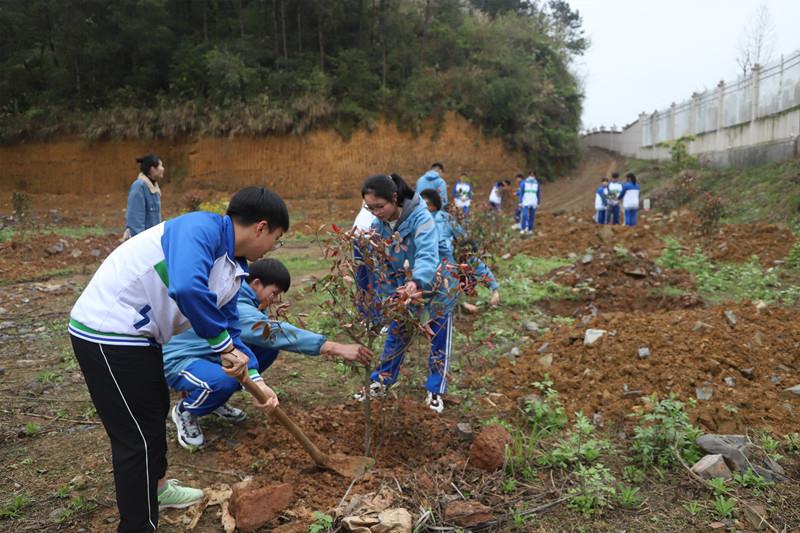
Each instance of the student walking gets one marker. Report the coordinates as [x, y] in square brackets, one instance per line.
[613, 193]
[462, 194]
[403, 220]
[193, 368]
[601, 201]
[530, 196]
[182, 273]
[433, 180]
[630, 199]
[144, 197]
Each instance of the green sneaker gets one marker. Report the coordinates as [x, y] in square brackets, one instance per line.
[175, 496]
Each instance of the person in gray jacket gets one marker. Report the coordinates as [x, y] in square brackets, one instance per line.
[144, 197]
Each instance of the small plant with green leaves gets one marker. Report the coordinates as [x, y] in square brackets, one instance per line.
[662, 430]
[580, 445]
[89, 412]
[633, 474]
[719, 486]
[509, 485]
[710, 212]
[793, 257]
[723, 506]
[546, 414]
[628, 497]
[791, 443]
[31, 429]
[750, 480]
[13, 508]
[62, 491]
[770, 445]
[594, 490]
[76, 505]
[49, 377]
[322, 523]
[692, 507]
[21, 204]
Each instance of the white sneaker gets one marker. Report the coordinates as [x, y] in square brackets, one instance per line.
[522, 232]
[189, 433]
[435, 402]
[229, 413]
[515, 225]
[376, 390]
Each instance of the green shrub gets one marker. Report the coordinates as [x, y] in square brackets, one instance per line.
[662, 431]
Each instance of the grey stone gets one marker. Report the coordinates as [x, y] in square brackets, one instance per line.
[597, 420]
[464, 430]
[644, 352]
[636, 273]
[592, 335]
[514, 352]
[774, 379]
[704, 393]
[729, 381]
[531, 326]
[793, 390]
[749, 373]
[2, 371]
[76, 253]
[57, 248]
[546, 360]
[712, 466]
[734, 448]
[56, 513]
[756, 514]
[95, 252]
[701, 325]
[543, 348]
[586, 259]
[730, 317]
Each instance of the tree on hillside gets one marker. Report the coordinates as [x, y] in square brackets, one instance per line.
[757, 40]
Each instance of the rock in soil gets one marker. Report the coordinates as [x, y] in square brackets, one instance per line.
[712, 466]
[465, 430]
[467, 513]
[730, 317]
[255, 506]
[592, 336]
[644, 352]
[793, 390]
[488, 450]
[756, 514]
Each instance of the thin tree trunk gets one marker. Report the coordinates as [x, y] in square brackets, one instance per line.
[299, 31]
[276, 46]
[283, 29]
[241, 18]
[205, 21]
[321, 46]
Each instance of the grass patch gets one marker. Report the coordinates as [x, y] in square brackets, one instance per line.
[68, 232]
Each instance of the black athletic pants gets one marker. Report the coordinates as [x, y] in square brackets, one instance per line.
[129, 391]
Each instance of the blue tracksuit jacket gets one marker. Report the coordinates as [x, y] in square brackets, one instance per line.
[432, 180]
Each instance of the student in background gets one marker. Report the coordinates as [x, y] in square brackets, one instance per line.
[612, 198]
[462, 194]
[601, 202]
[433, 180]
[630, 199]
[529, 195]
[518, 208]
[496, 196]
[144, 197]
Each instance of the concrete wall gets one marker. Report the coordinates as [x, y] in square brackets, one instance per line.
[752, 120]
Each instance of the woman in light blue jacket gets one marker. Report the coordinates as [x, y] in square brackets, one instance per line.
[144, 197]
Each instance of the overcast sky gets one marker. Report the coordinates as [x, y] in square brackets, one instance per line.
[646, 54]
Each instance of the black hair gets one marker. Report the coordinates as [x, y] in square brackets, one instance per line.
[467, 246]
[269, 272]
[438, 164]
[519, 176]
[615, 175]
[146, 162]
[507, 181]
[631, 177]
[385, 187]
[433, 197]
[254, 204]
[603, 179]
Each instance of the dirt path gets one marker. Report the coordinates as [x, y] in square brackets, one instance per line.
[576, 191]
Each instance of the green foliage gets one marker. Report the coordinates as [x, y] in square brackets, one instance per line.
[680, 158]
[719, 485]
[75, 506]
[724, 506]
[21, 203]
[13, 507]
[594, 490]
[791, 443]
[692, 507]
[255, 68]
[728, 281]
[322, 522]
[750, 479]
[633, 474]
[770, 445]
[628, 497]
[580, 446]
[661, 429]
[547, 414]
[681, 191]
[49, 376]
[710, 211]
[32, 428]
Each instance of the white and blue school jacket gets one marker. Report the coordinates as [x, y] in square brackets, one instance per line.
[600, 201]
[448, 230]
[613, 192]
[179, 274]
[529, 193]
[144, 207]
[462, 194]
[630, 196]
[187, 347]
[494, 195]
[432, 180]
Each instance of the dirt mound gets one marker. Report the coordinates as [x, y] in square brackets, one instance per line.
[615, 281]
[745, 367]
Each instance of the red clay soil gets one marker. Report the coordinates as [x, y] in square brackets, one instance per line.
[689, 349]
[29, 259]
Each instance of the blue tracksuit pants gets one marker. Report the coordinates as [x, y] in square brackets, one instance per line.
[612, 214]
[600, 216]
[528, 215]
[630, 217]
[438, 360]
[208, 387]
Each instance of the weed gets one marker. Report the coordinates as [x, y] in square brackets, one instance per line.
[62, 492]
[628, 497]
[665, 427]
[580, 445]
[21, 203]
[719, 485]
[76, 505]
[750, 479]
[692, 507]
[547, 414]
[13, 508]
[793, 258]
[322, 522]
[49, 376]
[791, 443]
[633, 474]
[89, 412]
[724, 506]
[31, 429]
[509, 485]
[770, 445]
[621, 251]
[563, 320]
[594, 490]
[710, 212]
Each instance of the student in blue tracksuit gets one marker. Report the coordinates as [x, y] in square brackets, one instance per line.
[144, 197]
[462, 194]
[192, 368]
[530, 195]
[182, 273]
[412, 243]
[630, 199]
[433, 180]
[518, 208]
[450, 232]
[613, 193]
[601, 201]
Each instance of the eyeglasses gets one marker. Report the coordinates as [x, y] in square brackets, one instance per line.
[373, 208]
[277, 244]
